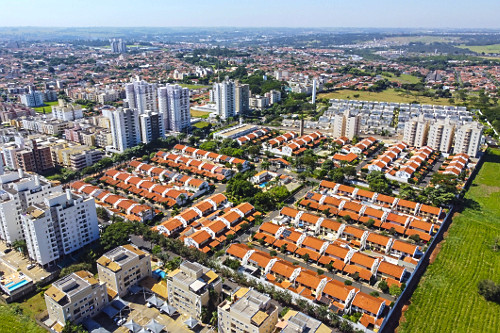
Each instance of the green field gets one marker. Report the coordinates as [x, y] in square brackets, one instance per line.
[389, 95]
[199, 114]
[47, 107]
[446, 300]
[193, 86]
[403, 78]
[493, 48]
[10, 321]
[201, 124]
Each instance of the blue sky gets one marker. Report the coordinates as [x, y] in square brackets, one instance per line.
[252, 13]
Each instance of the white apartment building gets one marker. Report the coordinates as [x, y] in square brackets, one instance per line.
[141, 95]
[189, 288]
[74, 298]
[32, 99]
[59, 225]
[18, 191]
[242, 98]
[151, 124]
[173, 104]
[225, 99]
[416, 131]
[468, 139]
[441, 135]
[123, 267]
[125, 128]
[67, 112]
[346, 124]
[250, 312]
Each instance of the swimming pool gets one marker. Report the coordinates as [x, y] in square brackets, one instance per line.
[160, 273]
[14, 286]
[263, 184]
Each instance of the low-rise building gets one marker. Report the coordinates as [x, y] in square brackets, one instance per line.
[75, 297]
[189, 288]
[123, 267]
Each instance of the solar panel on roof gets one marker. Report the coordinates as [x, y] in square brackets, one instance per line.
[287, 233]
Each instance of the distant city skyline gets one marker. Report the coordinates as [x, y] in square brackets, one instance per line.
[257, 13]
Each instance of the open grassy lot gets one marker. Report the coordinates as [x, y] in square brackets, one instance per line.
[12, 321]
[47, 107]
[193, 86]
[403, 78]
[201, 124]
[199, 114]
[446, 300]
[493, 48]
[389, 95]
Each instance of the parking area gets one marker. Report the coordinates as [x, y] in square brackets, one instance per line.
[19, 263]
[141, 314]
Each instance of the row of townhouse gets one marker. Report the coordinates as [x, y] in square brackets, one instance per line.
[403, 223]
[423, 211]
[415, 162]
[177, 224]
[383, 161]
[279, 140]
[198, 167]
[341, 298]
[113, 203]
[261, 134]
[363, 146]
[197, 187]
[211, 156]
[456, 165]
[337, 253]
[147, 187]
[210, 232]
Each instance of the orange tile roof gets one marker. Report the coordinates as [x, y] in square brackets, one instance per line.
[367, 302]
[404, 247]
[391, 269]
[237, 250]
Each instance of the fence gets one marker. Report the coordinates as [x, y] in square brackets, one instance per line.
[391, 321]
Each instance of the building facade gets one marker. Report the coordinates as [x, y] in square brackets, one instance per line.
[224, 96]
[125, 129]
[173, 104]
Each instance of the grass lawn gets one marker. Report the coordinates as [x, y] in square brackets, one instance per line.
[201, 124]
[493, 48]
[446, 300]
[389, 95]
[403, 78]
[199, 114]
[10, 321]
[47, 107]
[193, 86]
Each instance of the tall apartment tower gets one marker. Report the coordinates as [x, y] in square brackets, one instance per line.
[36, 159]
[242, 96]
[59, 225]
[173, 104]
[151, 124]
[441, 135]
[346, 125]
[141, 95]
[416, 131]
[225, 99]
[118, 46]
[313, 99]
[468, 139]
[18, 192]
[125, 128]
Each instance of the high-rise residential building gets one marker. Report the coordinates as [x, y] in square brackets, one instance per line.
[242, 96]
[75, 297]
[173, 104]
[441, 135]
[123, 267]
[67, 111]
[151, 124]
[189, 288]
[33, 98]
[346, 124]
[468, 139]
[249, 311]
[225, 99]
[274, 96]
[298, 322]
[118, 46]
[60, 224]
[125, 129]
[141, 95]
[313, 99]
[18, 191]
[416, 131]
[36, 159]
